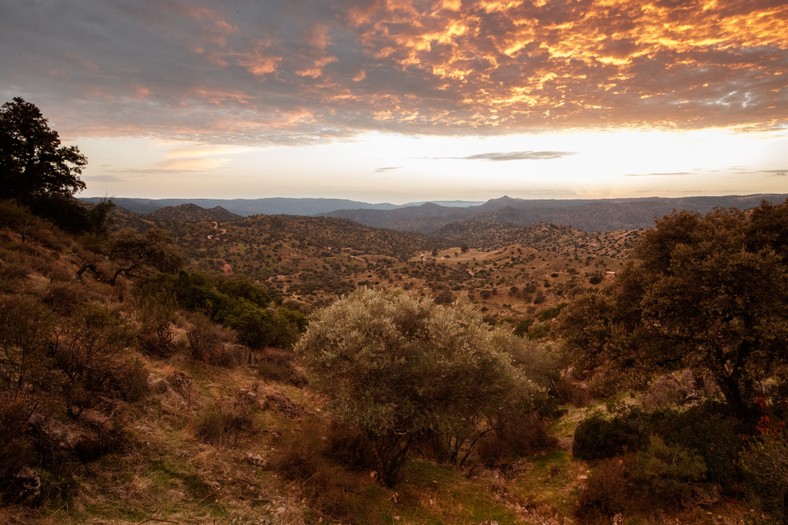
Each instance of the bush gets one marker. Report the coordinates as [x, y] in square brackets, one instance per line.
[26, 330]
[708, 430]
[65, 298]
[668, 473]
[598, 438]
[522, 327]
[277, 365]
[331, 490]
[607, 491]
[206, 338]
[239, 304]
[220, 424]
[515, 437]
[129, 381]
[765, 465]
[16, 446]
[66, 212]
[662, 475]
[89, 351]
[542, 363]
[596, 278]
[157, 311]
[399, 368]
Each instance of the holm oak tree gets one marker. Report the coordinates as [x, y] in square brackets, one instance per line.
[708, 293]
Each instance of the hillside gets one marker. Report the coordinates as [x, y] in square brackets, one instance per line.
[490, 234]
[192, 213]
[311, 260]
[512, 272]
[138, 403]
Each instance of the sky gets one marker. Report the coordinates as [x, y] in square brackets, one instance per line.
[409, 100]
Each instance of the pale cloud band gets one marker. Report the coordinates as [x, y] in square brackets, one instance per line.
[519, 155]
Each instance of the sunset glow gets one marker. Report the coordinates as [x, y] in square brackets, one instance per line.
[402, 100]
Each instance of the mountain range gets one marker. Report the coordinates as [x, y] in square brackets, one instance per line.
[266, 206]
[590, 215]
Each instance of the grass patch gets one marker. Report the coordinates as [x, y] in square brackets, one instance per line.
[437, 494]
[549, 479]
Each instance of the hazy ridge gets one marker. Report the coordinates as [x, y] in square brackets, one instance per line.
[591, 215]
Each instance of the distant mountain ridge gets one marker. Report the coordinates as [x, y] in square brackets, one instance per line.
[584, 214]
[590, 215]
[265, 206]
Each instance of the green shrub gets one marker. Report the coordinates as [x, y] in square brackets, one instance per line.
[764, 462]
[241, 305]
[522, 327]
[243, 287]
[598, 438]
[662, 476]
[668, 473]
[708, 430]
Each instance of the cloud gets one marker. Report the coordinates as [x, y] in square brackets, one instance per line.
[776, 173]
[519, 155]
[660, 174]
[211, 70]
[387, 168]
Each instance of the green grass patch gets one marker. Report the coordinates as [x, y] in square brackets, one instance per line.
[434, 494]
[549, 480]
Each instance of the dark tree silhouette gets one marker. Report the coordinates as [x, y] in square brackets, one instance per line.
[33, 163]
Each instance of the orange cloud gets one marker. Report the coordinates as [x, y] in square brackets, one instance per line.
[587, 62]
[276, 71]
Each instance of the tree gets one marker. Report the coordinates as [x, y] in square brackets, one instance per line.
[136, 254]
[709, 293]
[399, 369]
[33, 163]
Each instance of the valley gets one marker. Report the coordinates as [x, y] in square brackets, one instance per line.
[511, 272]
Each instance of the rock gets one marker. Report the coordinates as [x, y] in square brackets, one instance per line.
[283, 405]
[181, 382]
[255, 459]
[25, 488]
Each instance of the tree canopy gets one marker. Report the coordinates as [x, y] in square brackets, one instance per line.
[705, 292]
[33, 163]
[399, 368]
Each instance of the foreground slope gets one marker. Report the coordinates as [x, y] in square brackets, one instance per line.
[203, 443]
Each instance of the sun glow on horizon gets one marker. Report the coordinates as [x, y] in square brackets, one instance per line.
[404, 168]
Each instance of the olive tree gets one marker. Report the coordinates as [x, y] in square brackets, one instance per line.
[399, 369]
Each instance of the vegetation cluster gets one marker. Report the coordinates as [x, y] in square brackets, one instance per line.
[337, 373]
